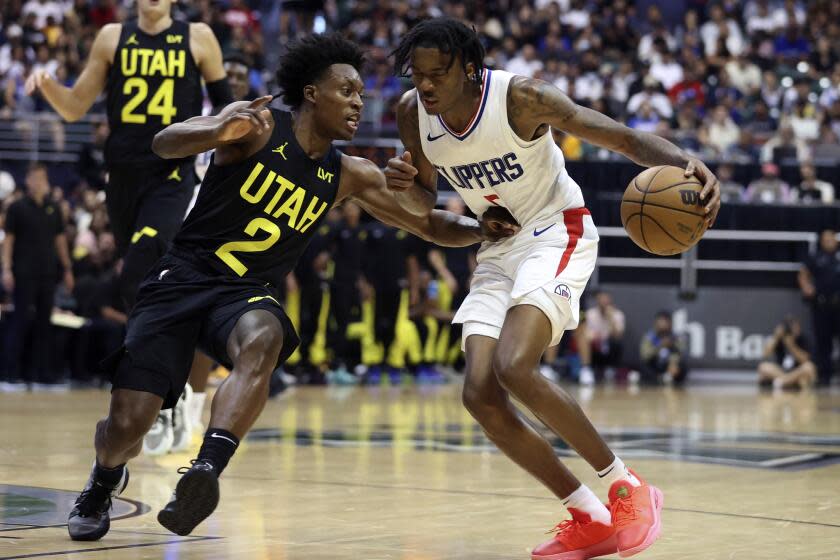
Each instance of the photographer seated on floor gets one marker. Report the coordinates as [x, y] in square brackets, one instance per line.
[787, 363]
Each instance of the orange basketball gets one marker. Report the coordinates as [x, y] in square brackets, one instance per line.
[661, 210]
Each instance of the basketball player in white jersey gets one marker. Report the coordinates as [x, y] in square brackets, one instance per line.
[487, 132]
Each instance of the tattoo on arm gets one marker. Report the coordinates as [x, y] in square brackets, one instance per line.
[533, 102]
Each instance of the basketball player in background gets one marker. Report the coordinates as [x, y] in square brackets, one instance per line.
[488, 133]
[152, 69]
[273, 177]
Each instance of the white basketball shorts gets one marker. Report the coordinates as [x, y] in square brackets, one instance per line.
[547, 265]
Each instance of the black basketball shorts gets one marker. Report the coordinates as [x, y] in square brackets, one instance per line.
[148, 201]
[181, 307]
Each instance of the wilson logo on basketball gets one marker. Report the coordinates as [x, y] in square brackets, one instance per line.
[689, 197]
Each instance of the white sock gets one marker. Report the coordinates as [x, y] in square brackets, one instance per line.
[617, 471]
[196, 408]
[585, 500]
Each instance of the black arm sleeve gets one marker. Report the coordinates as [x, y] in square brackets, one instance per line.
[219, 93]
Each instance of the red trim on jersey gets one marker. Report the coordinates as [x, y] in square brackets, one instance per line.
[573, 220]
[492, 198]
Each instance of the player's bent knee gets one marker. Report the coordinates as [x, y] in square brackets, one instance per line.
[261, 347]
[514, 371]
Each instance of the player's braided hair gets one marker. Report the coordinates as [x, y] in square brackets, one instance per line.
[306, 60]
[448, 35]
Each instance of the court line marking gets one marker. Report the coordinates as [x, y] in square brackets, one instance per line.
[121, 547]
[28, 526]
[543, 498]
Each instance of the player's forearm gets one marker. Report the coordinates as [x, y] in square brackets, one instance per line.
[416, 200]
[453, 230]
[649, 150]
[64, 100]
[188, 138]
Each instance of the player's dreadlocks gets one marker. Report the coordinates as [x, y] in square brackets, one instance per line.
[307, 59]
[448, 35]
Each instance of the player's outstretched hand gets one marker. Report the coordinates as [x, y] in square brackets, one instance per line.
[710, 195]
[250, 118]
[400, 173]
[497, 223]
[34, 81]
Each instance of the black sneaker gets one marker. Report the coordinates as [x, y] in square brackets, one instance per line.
[194, 499]
[90, 518]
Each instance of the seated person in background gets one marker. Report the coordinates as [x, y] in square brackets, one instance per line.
[811, 189]
[730, 190]
[787, 363]
[603, 335]
[661, 353]
[769, 188]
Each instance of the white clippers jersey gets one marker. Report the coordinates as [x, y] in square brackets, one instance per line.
[488, 164]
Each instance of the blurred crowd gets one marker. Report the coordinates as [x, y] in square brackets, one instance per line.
[734, 82]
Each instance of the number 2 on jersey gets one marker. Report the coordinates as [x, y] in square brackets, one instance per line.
[161, 103]
[225, 252]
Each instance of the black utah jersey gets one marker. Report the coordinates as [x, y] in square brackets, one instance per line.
[255, 218]
[153, 82]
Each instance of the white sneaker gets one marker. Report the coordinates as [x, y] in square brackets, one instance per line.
[159, 439]
[633, 377]
[182, 428]
[587, 377]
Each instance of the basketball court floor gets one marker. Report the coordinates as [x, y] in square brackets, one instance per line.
[405, 473]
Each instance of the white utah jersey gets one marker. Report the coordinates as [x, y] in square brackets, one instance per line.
[488, 164]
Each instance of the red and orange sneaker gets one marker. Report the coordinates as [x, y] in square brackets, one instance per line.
[577, 538]
[636, 515]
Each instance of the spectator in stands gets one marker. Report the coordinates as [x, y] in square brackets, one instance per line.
[720, 132]
[667, 70]
[33, 248]
[652, 95]
[812, 189]
[721, 27]
[769, 188]
[771, 90]
[760, 123]
[786, 363]
[690, 89]
[827, 148]
[743, 73]
[525, 63]
[785, 146]
[645, 119]
[603, 335]
[730, 190]
[661, 353]
[819, 281]
[744, 151]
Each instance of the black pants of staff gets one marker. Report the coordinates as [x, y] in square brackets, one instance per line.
[826, 315]
[345, 307]
[29, 335]
[387, 306]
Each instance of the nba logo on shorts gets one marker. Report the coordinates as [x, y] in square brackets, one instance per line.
[563, 291]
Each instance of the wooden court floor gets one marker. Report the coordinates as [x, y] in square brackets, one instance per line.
[404, 473]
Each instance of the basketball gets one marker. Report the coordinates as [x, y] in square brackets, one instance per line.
[662, 212]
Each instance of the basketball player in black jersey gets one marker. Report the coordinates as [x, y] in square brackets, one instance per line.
[152, 69]
[272, 180]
